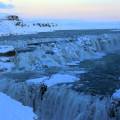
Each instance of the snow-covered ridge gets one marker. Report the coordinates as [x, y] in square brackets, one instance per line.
[15, 25]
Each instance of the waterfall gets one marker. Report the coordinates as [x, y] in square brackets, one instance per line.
[65, 104]
[62, 52]
[61, 102]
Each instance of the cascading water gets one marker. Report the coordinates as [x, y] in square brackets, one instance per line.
[65, 104]
[62, 52]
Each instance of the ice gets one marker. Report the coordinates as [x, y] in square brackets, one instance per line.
[13, 110]
[116, 95]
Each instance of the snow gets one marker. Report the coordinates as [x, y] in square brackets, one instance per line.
[54, 79]
[13, 110]
[8, 27]
[116, 95]
[6, 48]
[59, 78]
[38, 80]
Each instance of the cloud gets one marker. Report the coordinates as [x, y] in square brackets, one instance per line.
[6, 6]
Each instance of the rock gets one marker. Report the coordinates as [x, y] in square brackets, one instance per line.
[13, 17]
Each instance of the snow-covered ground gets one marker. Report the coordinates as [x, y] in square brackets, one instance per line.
[13, 110]
[53, 80]
[15, 27]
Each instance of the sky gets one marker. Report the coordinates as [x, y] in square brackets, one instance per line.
[99, 10]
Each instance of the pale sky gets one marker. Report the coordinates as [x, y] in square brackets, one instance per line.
[64, 9]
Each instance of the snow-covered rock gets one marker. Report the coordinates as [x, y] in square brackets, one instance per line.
[6, 50]
[13, 110]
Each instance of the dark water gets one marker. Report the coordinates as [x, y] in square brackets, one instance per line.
[103, 76]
